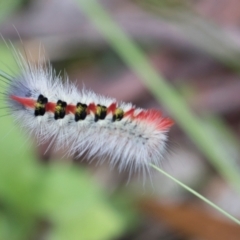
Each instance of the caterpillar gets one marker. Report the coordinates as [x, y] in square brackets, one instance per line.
[53, 109]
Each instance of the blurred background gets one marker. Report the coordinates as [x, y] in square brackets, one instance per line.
[195, 46]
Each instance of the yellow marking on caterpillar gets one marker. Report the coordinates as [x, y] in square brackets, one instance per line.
[101, 111]
[58, 109]
[39, 106]
[81, 112]
[118, 114]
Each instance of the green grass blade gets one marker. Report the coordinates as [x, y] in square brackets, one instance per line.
[197, 195]
[162, 90]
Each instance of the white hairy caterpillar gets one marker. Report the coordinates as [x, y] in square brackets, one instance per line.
[83, 122]
[37, 95]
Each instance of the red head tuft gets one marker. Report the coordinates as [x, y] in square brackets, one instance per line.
[26, 102]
